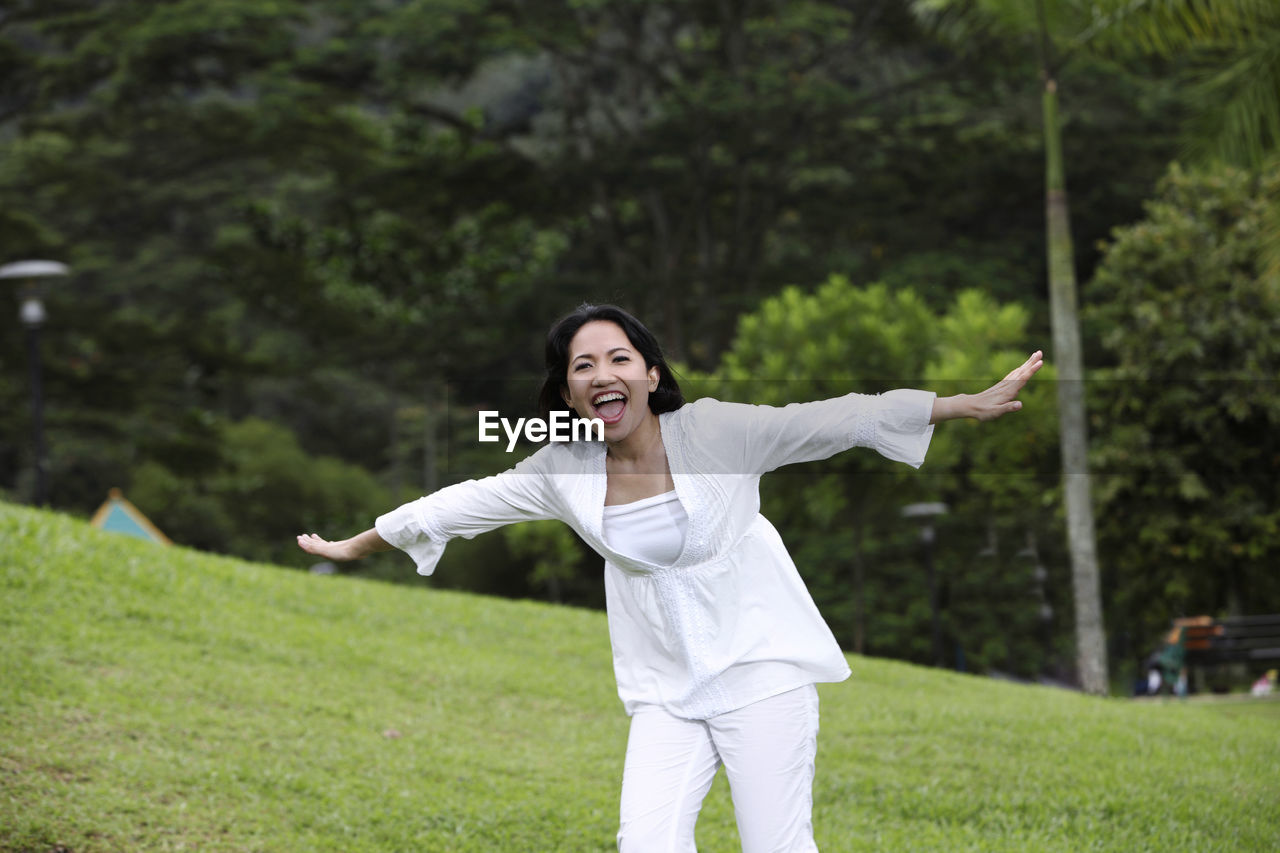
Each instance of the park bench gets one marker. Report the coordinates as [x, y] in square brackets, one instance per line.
[1202, 653]
[1239, 639]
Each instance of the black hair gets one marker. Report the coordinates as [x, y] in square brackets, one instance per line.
[665, 398]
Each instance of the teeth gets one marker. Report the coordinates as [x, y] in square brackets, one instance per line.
[608, 398]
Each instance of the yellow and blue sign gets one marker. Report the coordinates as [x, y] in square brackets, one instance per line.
[117, 515]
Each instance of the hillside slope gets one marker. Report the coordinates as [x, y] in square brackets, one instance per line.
[162, 699]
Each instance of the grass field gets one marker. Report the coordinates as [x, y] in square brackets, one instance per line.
[160, 699]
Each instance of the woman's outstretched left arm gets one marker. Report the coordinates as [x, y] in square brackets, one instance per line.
[999, 399]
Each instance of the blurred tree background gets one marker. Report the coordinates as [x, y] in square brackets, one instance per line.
[311, 239]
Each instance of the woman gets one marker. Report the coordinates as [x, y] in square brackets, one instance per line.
[717, 644]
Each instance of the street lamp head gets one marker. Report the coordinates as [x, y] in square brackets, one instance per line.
[34, 269]
[32, 274]
[924, 510]
[925, 513]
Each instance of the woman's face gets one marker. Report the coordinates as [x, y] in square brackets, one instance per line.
[607, 379]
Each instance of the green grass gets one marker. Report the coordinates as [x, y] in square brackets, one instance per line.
[161, 699]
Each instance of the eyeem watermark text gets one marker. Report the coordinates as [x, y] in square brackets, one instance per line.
[562, 427]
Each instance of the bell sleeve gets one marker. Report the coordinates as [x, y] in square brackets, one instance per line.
[423, 527]
[895, 424]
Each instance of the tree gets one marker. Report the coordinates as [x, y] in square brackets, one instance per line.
[799, 346]
[354, 220]
[841, 516]
[1002, 485]
[258, 222]
[554, 549]
[1190, 408]
[1231, 49]
[714, 152]
[257, 491]
[1055, 30]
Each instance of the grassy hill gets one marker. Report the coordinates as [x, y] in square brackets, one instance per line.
[161, 699]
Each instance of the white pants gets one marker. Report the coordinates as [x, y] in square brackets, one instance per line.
[767, 749]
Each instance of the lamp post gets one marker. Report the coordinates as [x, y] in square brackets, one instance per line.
[925, 513]
[33, 274]
[1039, 579]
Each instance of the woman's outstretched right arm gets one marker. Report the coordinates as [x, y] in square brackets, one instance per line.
[361, 545]
[421, 528]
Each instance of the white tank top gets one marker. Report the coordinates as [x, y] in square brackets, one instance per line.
[650, 529]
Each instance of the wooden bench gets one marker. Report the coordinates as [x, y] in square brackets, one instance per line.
[1202, 654]
[1242, 639]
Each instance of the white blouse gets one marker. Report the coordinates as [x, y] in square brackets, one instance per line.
[729, 621]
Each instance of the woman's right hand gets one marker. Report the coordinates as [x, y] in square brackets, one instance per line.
[337, 551]
[354, 548]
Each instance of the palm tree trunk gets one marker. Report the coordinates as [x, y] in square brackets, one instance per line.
[1091, 646]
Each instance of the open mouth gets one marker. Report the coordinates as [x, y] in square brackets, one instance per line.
[609, 406]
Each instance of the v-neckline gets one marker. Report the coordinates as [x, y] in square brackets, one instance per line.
[670, 449]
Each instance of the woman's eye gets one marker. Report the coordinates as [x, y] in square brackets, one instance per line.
[618, 358]
[581, 366]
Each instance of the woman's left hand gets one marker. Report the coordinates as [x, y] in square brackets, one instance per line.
[999, 399]
[1002, 398]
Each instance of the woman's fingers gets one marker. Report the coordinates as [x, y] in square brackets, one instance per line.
[312, 543]
[1028, 368]
[1018, 377]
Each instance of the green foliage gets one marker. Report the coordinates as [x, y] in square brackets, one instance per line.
[260, 226]
[817, 342]
[1188, 411]
[1230, 53]
[724, 151]
[157, 699]
[259, 493]
[841, 516]
[1230, 50]
[554, 549]
[1007, 465]
[1001, 483]
[356, 220]
[800, 346]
